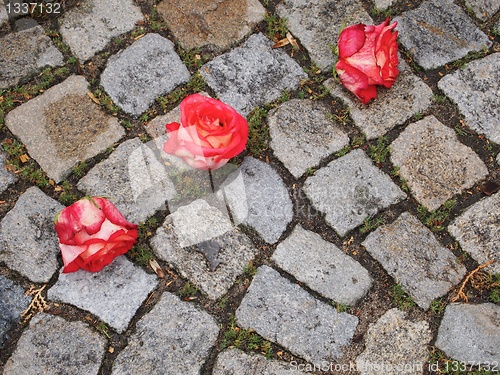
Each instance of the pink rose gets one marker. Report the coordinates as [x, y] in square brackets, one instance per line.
[368, 56]
[92, 232]
[210, 133]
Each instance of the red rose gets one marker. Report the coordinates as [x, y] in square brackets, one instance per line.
[368, 56]
[92, 232]
[210, 133]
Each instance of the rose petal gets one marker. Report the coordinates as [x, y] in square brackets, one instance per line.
[356, 82]
[81, 215]
[350, 40]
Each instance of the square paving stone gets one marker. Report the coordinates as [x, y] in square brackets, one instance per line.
[134, 178]
[478, 231]
[25, 53]
[6, 177]
[235, 361]
[200, 23]
[410, 253]
[434, 164]
[175, 337]
[200, 242]
[286, 314]
[476, 91]
[52, 345]
[322, 267]
[438, 32]
[302, 134]
[90, 26]
[350, 189]
[257, 197]
[471, 333]
[12, 303]
[483, 9]
[395, 345]
[317, 24]
[409, 95]
[252, 74]
[28, 240]
[147, 69]
[113, 294]
[63, 127]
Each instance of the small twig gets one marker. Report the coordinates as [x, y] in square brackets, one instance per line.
[460, 293]
[37, 303]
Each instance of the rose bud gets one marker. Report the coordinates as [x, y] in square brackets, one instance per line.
[92, 232]
[210, 133]
[368, 56]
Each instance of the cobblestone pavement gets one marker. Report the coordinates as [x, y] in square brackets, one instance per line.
[346, 239]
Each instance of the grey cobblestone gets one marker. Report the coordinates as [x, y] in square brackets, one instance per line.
[478, 231]
[89, 27]
[252, 74]
[302, 134]
[12, 303]
[28, 239]
[147, 69]
[63, 126]
[483, 9]
[24, 54]
[438, 32]
[471, 333]
[173, 338]
[474, 89]
[201, 243]
[350, 189]
[434, 164]
[234, 361]
[262, 201]
[113, 294]
[53, 345]
[198, 23]
[410, 253]
[4, 17]
[395, 346]
[286, 314]
[322, 267]
[134, 178]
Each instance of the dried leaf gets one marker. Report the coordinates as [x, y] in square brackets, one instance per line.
[24, 158]
[490, 187]
[156, 267]
[281, 43]
[292, 41]
[94, 99]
